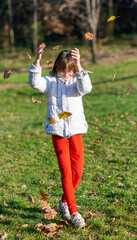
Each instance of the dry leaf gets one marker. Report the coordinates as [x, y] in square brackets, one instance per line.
[64, 222]
[14, 169]
[52, 120]
[55, 207]
[51, 214]
[34, 100]
[112, 18]
[44, 205]
[49, 62]
[64, 115]
[24, 186]
[30, 198]
[129, 89]
[93, 214]
[28, 55]
[89, 36]
[113, 219]
[2, 218]
[44, 196]
[7, 73]
[25, 225]
[4, 236]
[114, 77]
[5, 204]
[57, 47]
[91, 237]
[118, 201]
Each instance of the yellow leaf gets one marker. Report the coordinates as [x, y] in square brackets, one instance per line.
[89, 36]
[64, 115]
[114, 77]
[112, 18]
[52, 120]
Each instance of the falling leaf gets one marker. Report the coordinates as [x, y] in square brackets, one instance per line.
[28, 55]
[57, 47]
[14, 169]
[44, 196]
[129, 89]
[89, 36]
[52, 120]
[44, 204]
[49, 62]
[7, 73]
[112, 18]
[114, 77]
[30, 198]
[64, 115]
[88, 71]
[34, 100]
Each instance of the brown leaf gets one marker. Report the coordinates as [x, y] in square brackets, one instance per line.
[5, 204]
[44, 205]
[7, 73]
[57, 47]
[24, 186]
[52, 120]
[34, 100]
[44, 196]
[30, 198]
[25, 225]
[127, 93]
[89, 36]
[118, 201]
[93, 214]
[91, 237]
[55, 207]
[64, 222]
[64, 115]
[114, 77]
[2, 218]
[14, 169]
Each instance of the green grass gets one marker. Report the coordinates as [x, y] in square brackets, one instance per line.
[110, 158]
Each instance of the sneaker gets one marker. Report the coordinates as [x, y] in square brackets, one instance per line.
[77, 220]
[63, 208]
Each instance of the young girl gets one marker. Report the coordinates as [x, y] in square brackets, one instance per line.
[64, 89]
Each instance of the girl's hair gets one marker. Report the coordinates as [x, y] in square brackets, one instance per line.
[64, 61]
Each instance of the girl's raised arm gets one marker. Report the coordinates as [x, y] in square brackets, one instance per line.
[39, 54]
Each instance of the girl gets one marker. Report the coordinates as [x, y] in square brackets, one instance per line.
[64, 89]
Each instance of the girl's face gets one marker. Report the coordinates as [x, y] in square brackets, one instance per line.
[66, 74]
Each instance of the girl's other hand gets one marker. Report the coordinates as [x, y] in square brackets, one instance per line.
[75, 54]
[39, 54]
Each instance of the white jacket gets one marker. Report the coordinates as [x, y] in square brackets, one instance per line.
[62, 96]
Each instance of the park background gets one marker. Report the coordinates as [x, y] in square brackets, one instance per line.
[106, 196]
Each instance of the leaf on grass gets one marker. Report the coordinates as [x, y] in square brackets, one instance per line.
[34, 100]
[127, 93]
[89, 36]
[2, 218]
[24, 186]
[52, 120]
[14, 169]
[4, 236]
[55, 207]
[49, 62]
[25, 225]
[57, 47]
[51, 214]
[91, 237]
[30, 198]
[114, 77]
[64, 115]
[64, 222]
[5, 204]
[43, 195]
[93, 214]
[7, 73]
[118, 201]
[131, 121]
[44, 205]
[28, 55]
[49, 230]
[112, 18]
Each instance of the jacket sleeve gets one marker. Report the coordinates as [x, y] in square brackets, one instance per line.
[36, 81]
[84, 85]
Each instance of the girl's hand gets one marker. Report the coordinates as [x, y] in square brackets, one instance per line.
[39, 54]
[75, 54]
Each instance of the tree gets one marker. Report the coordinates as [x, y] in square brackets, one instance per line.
[93, 10]
[12, 38]
[35, 24]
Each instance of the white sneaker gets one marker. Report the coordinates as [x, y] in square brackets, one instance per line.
[77, 220]
[63, 208]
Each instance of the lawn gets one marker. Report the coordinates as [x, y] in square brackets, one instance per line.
[28, 163]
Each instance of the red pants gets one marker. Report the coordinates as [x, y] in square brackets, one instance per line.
[70, 155]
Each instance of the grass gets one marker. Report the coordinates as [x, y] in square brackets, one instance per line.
[108, 184]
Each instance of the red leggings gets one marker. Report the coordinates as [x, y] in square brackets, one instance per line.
[70, 155]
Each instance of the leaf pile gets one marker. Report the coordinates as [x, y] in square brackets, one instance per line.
[49, 230]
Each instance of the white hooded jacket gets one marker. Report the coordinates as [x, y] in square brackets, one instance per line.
[62, 96]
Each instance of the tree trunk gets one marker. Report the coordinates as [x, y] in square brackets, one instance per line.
[11, 30]
[110, 26]
[30, 26]
[35, 23]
